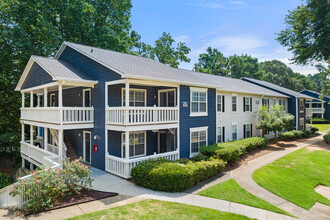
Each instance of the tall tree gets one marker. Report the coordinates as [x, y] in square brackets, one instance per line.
[213, 62]
[39, 27]
[307, 32]
[165, 51]
[243, 66]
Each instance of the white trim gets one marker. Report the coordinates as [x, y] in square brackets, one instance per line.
[40, 87]
[196, 89]
[84, 146]
[234, 95]
[216, 102]
[197, 129]
[232, 126]
[250, 103]
[133, 89]
[90, 97]
[142, 127]
[178, 129]
[216, 134]
[145, 144]
[167, 90]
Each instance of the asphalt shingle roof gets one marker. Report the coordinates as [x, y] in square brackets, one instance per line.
[278, 88]
[135, 66]
[61, 69]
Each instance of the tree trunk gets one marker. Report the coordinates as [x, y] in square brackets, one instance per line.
[275, 134]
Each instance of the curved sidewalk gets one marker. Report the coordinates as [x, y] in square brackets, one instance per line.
[243, 176]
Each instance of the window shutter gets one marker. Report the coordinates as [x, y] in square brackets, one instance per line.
[243, 104]
[251, 130]
[244, 135]
[223, 103]
[250, 104]
[223, 134]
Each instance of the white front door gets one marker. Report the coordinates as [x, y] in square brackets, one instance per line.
[87, 146]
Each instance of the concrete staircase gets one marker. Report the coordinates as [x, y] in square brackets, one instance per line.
[70, 152]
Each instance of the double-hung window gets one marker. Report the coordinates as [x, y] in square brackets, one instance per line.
[198, 102]
[247, 104]
[220, 103]
[137, 97]
[234, 103]
[137, 144]
[301, 105]
[198, 139]
[220, 134]
[265, 102]
[282, 103]
[247, 130]
[234, 132]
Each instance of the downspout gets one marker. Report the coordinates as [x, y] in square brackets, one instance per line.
[297, 113]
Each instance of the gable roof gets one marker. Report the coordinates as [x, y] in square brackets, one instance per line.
[132, 66]
[277, 88]
[316, 93]
[57, 69]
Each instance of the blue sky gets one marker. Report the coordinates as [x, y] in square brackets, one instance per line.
[233, 26]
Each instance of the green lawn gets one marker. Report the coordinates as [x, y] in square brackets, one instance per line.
[230, 190]
[322, 127]
[154, 209]
[294, 176]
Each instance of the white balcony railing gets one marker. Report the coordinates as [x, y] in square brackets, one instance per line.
[52, 114]
[318, 110]
[122, 167]
[38, 154]
[141, 115]
[309, 112]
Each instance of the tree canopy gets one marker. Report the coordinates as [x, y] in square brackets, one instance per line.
[307, 32]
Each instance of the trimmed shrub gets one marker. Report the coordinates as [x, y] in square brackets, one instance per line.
[199, 157]
[314, 129]
[169, 176]
[326, 138]
[230, 151]
[291, 135]
[319, 121]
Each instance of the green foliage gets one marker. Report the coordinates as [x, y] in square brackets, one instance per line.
[164, 51]
[169, 176]
[199, 157]
[230, 151]
[5, 180]
[319, 121]
[314, 129]
[47, 186]
[326, 138]
[274, 119]
[291, 135]
[307, 32]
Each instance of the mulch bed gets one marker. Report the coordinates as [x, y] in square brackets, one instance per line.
[84, 196]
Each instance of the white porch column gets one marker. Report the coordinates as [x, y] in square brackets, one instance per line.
[23, 132]
[31, 134]
[60, 96]
[46, 138]
[23, 162]
[127, 145]
[60, 144]
[38, 102]
[31, 99]
[45, 97]
[23, 99]
[126, 101]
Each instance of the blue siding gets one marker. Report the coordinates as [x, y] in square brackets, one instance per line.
[187, 122]
[326, 105]
[36, 77]
[101, 74]
[71, 97]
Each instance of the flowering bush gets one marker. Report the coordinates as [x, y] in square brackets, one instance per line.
[49, 186]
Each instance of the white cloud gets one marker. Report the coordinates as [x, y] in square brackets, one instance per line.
[182, 38]
[237, 3]
[215, 5]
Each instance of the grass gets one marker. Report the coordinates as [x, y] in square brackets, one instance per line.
[322, 127]
[230, 190]
[294, 176]
[154, 209]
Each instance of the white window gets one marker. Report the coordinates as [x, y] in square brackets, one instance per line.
[282, 103]
[247, 104]
[301, 105]
[234, 103]
[220, 103]
[247, 130]
[234, 132]
[198, 139]
[274, 101]
[198, 102]
[137, 144]
[301, 123]
[220, 134]
[137, 97]
[265, 102]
